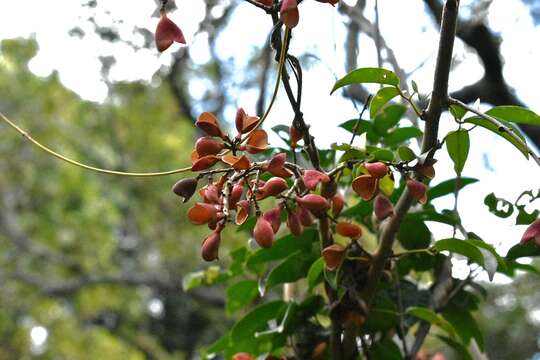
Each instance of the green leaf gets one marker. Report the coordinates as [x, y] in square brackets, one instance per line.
[385, 349]
[498, 206]
[413, 234]
[367, 76]
[431, 317]
[461, 247]
[192, 280]
[458, 347]
[465, 325]
[448, 187]
[406, 154]
[316, 273]
[515, 114]
[457, 111]
[256, 320]
[380, 99]
[283, 247]
[376, 153]
[383, 316]
[414, 86]
[501, 264]
[458, 144]
[388, 118]
[495, 129]
[290, 270]
[530, 249]
[446, 217]
[364, 126]
[401, 135]
[240, 295]
[218, 346]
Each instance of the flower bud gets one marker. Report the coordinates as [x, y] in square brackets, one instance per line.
[206, 145]
[294, 224]
[263, 233]
[365, 186]
[312, 178]
[353, 231]
[377, 170]
[210, 246]
[166, 33]
[382, 207]
[338, 203]
[313, 202]
[185, 188]
[289, 13]
[418, 190]
[532, 232]
[333, 256]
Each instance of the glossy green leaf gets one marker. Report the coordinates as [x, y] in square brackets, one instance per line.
[413, 234]
[465, 325]
[495, 129]
[381, 98]
[406, 154]
[293, 268]
[499, 206]
[530, 249]
[240, 295]
[457, 111]
[316, 273]
[388, 118]
[256, 320]
[401, 135]
[458, 347]
[367, 76]
[431, 317]
[362, 126]
[385, 349]
[515, 114]
[461, 247]
[448, 187]
[284, 247]
[457, 145]
[501, 264]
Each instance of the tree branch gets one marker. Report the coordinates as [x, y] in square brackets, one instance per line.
[429, 142]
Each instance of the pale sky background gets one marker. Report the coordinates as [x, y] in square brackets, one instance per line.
[405, 26]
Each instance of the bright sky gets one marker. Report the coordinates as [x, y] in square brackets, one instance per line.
[405, 26]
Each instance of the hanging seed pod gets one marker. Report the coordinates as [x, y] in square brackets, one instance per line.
[350, 230]
[378, 170]
[206, 145]
[313, 202]
[418, 190]
[208, 123]
[312, 178]
[293, 223]
[263, 233]
[289, 13]
[333, 256]
[338, 203]
[210, 246]
[273, 216]
[273, 187]
[532, 232]
[306, 218]
[167, 32]
[382, 207]
[185, 188]
[365, 186]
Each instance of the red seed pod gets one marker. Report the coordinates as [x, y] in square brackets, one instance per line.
[266, 2]
[276, 166]
[272, 187]
[338, 203]
[208, 123]
[289, 13]
[295, 136]
[236, 194]
[273, 216]
[312, 178]
[210, 246]
[210, 194]
[333, 256]
[185, 188]
[306, 218]
[167, 32]
[353, 231]
[365, 186]
[243, 355]
[204, 163]
[202, 213]
[313, 202]
[418, 190]
[331, 2]
[242, 212]
[294, 224]
[206, 145]
[532, 232]
[263, 233]
[382, 207]
[237, 162]
[257, 142]
[245, 123]
[377, 170]
[425, 170]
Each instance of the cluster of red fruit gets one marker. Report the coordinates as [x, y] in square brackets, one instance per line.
[240, 188]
